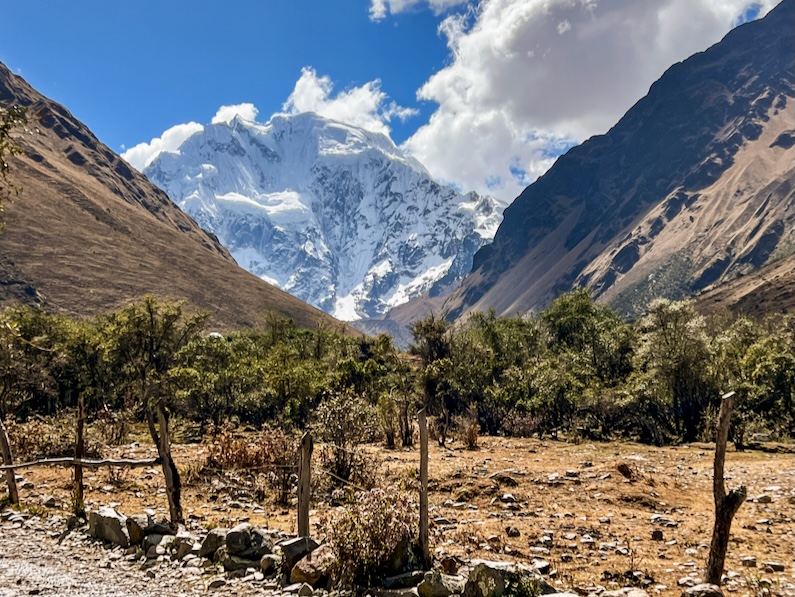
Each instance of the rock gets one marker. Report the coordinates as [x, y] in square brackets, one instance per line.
[764, 499]
[315, 568]
[626, 592]
[542, 567]
[141, 525]
[485, 581]
[305, 590]
[295, 549]
[405, 580]
[703, 590]
[450, 565]
[214, 540]
[184, 544]
[435, 584]
[49, 502]
[216, 583]
[249, 542]
[269, 563]
[135, 527]
[773, 566]
[748, 561]
[760, 437]
[490, 579]
[656, 535]
[232, 563]
[507, 498]
[109, 525]
[513, 532]
[504, 479]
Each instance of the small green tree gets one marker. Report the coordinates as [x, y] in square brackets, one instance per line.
[145, 340]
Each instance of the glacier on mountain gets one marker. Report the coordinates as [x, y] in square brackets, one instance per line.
[335, 215]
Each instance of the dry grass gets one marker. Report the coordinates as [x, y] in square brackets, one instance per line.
[674, 482]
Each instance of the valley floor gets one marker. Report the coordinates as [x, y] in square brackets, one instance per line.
[529, 501]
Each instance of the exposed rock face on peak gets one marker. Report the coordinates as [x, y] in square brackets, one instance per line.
[333, 214]
[88, 233]
[691, 188]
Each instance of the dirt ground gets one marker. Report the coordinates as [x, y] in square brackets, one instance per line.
[568, 505]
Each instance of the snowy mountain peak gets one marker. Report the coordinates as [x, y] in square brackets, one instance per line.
[329, 212]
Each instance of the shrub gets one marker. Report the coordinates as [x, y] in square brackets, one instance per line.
[48, 437]
[372, 536]
[469, 428]
[345, 421]
[273, 453]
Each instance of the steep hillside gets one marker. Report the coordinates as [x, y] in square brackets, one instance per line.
[336, 215]
[88, 233]
[691, 188]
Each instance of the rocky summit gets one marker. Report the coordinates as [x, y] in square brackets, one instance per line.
[335, 215]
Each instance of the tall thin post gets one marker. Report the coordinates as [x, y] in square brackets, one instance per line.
[304, 483]
[78, 502]
[726, 506]
[170, 472]
[5, 448]
[424, 545]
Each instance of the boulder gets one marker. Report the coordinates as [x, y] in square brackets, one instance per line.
[295, 549]
[703, 590]
[248, 542]
[305, 591]
[269, 563]
[184, 544]
[490, 579]
[315, 568]
[232, 563]
[436, 584]
[109, 525]
[404, 581]
[214, 540]
[141, 525]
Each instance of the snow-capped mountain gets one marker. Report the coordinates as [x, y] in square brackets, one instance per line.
[335, 215]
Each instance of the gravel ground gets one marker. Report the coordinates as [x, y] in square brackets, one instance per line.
[36, 559]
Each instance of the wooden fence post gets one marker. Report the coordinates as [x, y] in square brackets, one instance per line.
[424, 545]
[170, 472]
[726, 506]
[5, 449]
[78, 505]
[304, 484]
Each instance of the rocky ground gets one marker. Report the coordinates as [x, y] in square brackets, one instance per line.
[590, 517]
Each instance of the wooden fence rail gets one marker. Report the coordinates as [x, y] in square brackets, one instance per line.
[85, 462]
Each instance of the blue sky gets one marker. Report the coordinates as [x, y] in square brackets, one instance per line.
[495, 89]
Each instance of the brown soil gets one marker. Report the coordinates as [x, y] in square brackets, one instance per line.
[613, 493]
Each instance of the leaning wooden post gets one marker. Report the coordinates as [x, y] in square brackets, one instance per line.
[5, 448]
[170, 472]
[78, 504]
[424, 546]
[304, 484]
[726, 506]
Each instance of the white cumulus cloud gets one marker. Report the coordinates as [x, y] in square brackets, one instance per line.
[227, 113]
[142, 154]
[365, 106]
[527, 78]
[379, 9]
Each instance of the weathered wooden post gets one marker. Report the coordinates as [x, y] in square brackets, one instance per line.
[304, 484]
[726, 506]
[5, 448]
[78, 504]
[170, 472]
[424, 546]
